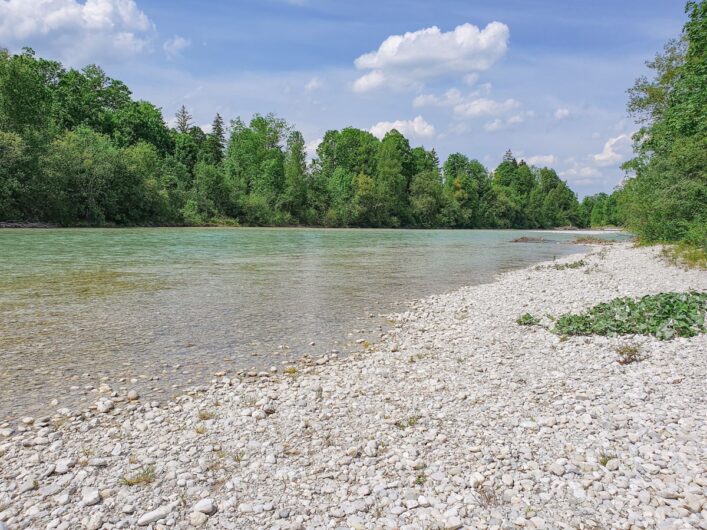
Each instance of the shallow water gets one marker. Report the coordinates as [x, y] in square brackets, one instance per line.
[78, 305]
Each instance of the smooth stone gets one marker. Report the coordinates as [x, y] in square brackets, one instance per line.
[198, 518]
[205, 506]
[154, 515]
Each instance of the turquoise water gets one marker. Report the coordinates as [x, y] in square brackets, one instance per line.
[77, 305]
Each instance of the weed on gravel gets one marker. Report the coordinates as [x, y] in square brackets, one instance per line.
[664, 315]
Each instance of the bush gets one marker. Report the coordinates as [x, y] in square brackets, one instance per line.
[665, 315]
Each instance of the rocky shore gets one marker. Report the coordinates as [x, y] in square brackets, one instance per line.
[458, 418]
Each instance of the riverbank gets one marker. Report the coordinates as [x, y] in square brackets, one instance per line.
[459, 418]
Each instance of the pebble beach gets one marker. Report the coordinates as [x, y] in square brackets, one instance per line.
[458, 417]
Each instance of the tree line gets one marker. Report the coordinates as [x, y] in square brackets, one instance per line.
[76, 149]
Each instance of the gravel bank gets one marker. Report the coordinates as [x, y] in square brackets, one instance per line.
[459, 418]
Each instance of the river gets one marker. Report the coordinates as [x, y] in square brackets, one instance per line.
[159, 308]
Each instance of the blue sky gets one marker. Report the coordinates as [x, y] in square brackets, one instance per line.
[546, 79]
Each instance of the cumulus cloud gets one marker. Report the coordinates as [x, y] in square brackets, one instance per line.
[371, 80]
[449, 98]
[484, 107]
[402, 60]
[416, 127]
[561, 113]
[615, 150]
[506, 123]
[175, 46]
[75, 31]
[313, 84]
[541, 160]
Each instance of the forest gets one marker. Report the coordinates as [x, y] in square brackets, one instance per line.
[76, 149]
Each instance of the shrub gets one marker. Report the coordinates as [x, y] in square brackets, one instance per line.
[664, 315]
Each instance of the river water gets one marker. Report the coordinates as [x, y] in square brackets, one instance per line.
[169, 307]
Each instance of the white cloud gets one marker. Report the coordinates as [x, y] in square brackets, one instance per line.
[367, 82]
[451, 97]
[313, 84]
[580, 171]
[402, 60]
[561, 113]
[505, 123]
[311, 148]
[615, 150]
[175, 46]
[541, 160]
[95, 29]
[417, 127]
[484, 107]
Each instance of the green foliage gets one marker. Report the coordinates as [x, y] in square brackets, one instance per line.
[664, 315]
[571, 265]
[666, 199]
[527, 320]
[75, 149]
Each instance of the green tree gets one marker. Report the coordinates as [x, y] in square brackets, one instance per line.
[665, 198]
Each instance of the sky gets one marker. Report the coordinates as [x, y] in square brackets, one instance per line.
[546, 79]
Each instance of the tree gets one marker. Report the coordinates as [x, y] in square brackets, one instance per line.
[183, 120]
[294, 195]
[665, 199]
[141, 121]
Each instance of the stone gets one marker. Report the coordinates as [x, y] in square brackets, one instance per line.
[104, 406]
[557, 469]
[198, 519]
[133, 395]
[205, 506]
[155, 515]
[95, 522]
[91, 496]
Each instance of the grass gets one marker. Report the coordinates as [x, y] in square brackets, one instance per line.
[290, 370]
[593, 240]
[664, 315]
[206, 415]
[527, 320]
[420, 480]
[144, 477]
[410, 422]
[200, 429]
[605, 457]
[685, 255]
[628, 354]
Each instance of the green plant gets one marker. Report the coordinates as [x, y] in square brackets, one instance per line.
[420, 480]
[527, 320]
[664, 316]
[570, 265]
[605, 457]
[686, 255]
[628, 354]
[145, 476]
[290, 370]
[410, 422]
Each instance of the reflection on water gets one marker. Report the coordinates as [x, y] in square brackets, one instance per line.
[80, 304]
